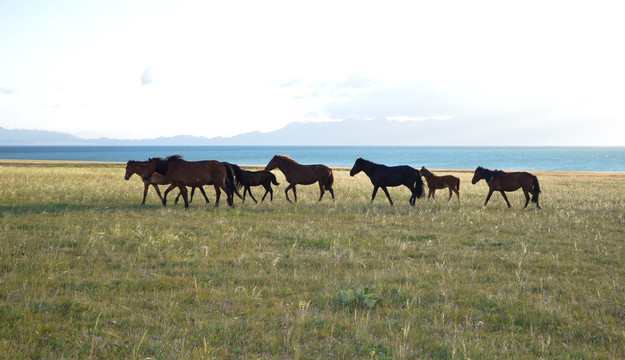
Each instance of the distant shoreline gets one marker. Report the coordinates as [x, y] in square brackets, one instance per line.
[8, 162]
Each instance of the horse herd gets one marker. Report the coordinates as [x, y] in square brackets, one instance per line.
[179, 173]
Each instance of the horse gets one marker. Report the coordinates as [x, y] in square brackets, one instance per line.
[256, 178]
[297, 174]
[382, 176]
[138, 167]
[184, 173]
[502, 181]
[440, 182]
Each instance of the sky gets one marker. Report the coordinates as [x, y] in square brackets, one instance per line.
[144, 69]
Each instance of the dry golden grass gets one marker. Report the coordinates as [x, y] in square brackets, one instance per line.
[87, 272]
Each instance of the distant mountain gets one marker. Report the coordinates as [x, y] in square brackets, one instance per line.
[348, 132]
[454, 132]
[38, 137]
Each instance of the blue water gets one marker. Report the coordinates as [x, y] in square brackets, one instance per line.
[605, 159]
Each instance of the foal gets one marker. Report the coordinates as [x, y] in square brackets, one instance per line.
[256, 178]
[440, 182]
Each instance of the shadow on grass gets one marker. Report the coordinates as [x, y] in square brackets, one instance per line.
[58, 208]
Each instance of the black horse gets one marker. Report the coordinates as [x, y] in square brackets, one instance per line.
[256, 178]
[502, 181]
[244, 179]
[382, 176]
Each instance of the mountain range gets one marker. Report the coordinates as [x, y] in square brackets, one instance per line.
[380, 132]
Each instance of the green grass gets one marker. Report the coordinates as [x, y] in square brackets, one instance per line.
[87, 272]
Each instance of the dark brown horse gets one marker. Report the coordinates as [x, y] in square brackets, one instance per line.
[501, 181]
[382, 176]
[138, 167]
[302, 174]
[184, 173]
[440, 182]
[256, 178]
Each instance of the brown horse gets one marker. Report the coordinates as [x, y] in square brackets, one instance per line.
[138, 167]
[440, 182]
[302, 174]
[184, 173]
[508, 181]
[256, 178]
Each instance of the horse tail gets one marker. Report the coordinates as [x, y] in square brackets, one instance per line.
[230, 179]
[273, 179]
[330, 181]
[418, 186]
[458, 185]
[238, 179]
[536, 190]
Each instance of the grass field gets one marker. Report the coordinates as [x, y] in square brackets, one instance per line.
[87, 272]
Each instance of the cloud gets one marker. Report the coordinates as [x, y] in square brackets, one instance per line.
[150, 76]
[7, 91]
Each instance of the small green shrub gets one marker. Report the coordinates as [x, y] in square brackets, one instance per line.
[359, 297]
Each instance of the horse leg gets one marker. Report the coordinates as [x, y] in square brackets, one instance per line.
[294, 193]
[158, 192]
[203, 193]
[375, 191]
[267, 189]
[286, 192]
[192, 193]
[331, 192]
[451, 193]
[321, 190]
[490, 193]
[170, 188]
[217, 194]
[527, 198]
[183, 191]
[388, 195]
[505, 197]
[249, 190]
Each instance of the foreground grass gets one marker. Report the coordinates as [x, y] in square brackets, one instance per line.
[86, 272]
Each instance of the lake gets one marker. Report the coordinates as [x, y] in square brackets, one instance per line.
[605, 159]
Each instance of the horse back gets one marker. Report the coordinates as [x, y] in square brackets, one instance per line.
[511, 181]
[196, 173]
[394, 175]
[308, 174]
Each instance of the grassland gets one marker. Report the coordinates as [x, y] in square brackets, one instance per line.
[87, 272]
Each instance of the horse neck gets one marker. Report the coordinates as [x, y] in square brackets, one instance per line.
[368, 167]
[138, 167]
[286, 164]
[488, 175]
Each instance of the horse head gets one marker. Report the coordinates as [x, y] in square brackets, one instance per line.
[357, 167]
[272, 164]
[277, 161]
[129, 169]
[423, 171]
[477, 176]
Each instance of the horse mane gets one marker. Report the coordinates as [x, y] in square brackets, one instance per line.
[488, 174]
[286, 157]
[367, 162]
[173, 157]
